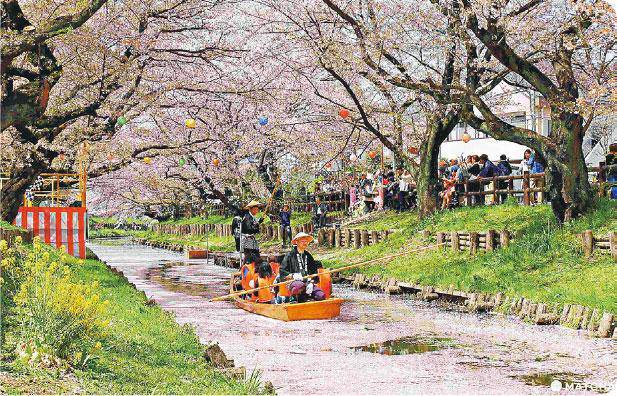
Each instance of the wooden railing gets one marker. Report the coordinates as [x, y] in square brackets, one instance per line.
[528, 189]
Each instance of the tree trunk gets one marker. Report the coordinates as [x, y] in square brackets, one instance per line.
[13, 190]
[428, 176]
[567, 181]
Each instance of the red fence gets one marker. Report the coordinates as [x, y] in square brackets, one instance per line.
[57, 226]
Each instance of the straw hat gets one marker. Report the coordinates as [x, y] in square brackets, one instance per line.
[252, 204]
[301, 235]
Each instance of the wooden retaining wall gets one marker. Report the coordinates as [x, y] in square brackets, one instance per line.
[474, 241]
[10, 235]
[350, 237]
[599, 244]
[596, 322]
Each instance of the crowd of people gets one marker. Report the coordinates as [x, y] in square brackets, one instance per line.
[477, 171]
[389, 189]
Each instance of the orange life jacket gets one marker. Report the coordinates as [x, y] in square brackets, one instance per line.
[325, 282]
[266, 295]
[248, 275]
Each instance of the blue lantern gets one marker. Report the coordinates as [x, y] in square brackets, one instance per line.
[263, 120]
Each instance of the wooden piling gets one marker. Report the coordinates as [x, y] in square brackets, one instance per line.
[356, 239]
[612, 240]
[473, 243]
[490, 240]
[364, 237]
[588, 243]
[455, 241]
[504, 238]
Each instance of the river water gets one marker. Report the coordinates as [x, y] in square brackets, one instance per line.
[378, 345]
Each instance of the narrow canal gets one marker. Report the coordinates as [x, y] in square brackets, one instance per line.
[378, 345]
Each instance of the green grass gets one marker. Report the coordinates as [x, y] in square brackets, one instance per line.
[8, 226]
[543, 263]
[144, 351]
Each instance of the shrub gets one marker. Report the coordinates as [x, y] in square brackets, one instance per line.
[59, 319]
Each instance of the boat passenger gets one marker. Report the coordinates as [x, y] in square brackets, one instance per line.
[299, 263]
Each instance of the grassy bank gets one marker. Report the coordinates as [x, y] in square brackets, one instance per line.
[142, 350]
[544, 262]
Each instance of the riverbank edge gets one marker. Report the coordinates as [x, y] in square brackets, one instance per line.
[43, 381]
[589, 321]
[213, 353]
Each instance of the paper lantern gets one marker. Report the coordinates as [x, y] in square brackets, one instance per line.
[190, 123]
[353, 157]
[121, 121]
[110, 156]
[62, 157]
[181, 161]
[216, 162]
[372, 154]
[147, 160]
[413, 150]
[263, 120]
[344, 113]
[466, 137]
[328, 165]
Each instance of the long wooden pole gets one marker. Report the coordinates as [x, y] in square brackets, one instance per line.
[351, 266]
[276, 185]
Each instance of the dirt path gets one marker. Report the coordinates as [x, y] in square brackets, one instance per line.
[445, 351]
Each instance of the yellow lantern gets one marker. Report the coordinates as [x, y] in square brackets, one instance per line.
[216, 162]
[466, 137]
[147, 160]
[190, 123]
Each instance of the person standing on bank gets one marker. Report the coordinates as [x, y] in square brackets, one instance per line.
[249, 228]
[299, 263]
[285, 216]
[319, 213]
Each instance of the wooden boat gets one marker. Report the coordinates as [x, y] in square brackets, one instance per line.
[311, 310]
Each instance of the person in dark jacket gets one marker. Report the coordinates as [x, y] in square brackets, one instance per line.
[474, 169]
[249, 228]
[299, 263]
[285, 217]
[489, 169]
[319, 213]
[505, 169]
[235, 226]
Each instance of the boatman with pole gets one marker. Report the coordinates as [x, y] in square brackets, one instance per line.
[248, 229]
[299, 263]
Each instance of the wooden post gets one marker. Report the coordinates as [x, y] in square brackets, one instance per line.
[441, 237]
[511, 186]
[504, 238]
[612, 240]
[337, 237]
[455, 241]
[364, 237]
[602, 179]
[426, 234]
[348, 237]
[320, 236]
[588, 243]
[495, 200]
[526, 200]
[490, 240]
[474, 241]
[467, 196]
[331, 237]
[374, 237]
[356, 239]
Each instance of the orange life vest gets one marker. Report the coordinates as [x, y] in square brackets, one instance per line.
[248, 275]
[265, 295]
[325, 282]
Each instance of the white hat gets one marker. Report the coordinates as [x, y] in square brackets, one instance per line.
[301, 235]
[253, 203]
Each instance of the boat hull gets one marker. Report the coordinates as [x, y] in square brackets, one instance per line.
[312, 310]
